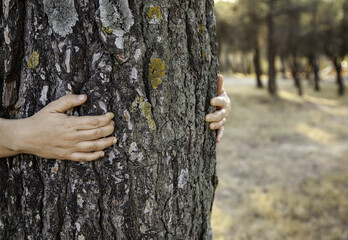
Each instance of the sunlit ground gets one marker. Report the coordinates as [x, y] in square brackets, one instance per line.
[283, 166]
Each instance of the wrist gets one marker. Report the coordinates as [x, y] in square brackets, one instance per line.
[9, 145]
[19, 135]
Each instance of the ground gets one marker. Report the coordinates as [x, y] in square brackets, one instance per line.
[283, 165]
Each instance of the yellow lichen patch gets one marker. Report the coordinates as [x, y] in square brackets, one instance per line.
[145, 109]
[155, 12]
[156, 72]
[156, 82]
[204, 55]
[106, 30]
[33, 60]
[201, 29]
[135, 103]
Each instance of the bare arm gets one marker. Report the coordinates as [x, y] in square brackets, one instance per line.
[52, 134]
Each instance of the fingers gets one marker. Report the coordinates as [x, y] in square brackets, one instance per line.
[220, 101]
[85, 157]
[220, 134]
[220, 84]
[91, 122]
[98, 145]
[66, 102]
[217, 125]
[92, 134]
[216, 116]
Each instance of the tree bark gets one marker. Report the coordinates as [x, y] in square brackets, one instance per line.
[154, 65]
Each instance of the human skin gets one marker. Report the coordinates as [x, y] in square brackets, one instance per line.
[218, 118]
[52, 134]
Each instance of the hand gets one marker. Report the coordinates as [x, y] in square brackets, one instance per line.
[223, 104]
[52, 134]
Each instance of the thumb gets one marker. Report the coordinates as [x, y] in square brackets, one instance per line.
[66, 102]
[220, 89]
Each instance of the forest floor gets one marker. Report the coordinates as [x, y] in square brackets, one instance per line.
[283, 165]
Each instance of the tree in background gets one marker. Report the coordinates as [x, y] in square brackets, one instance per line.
[154, 65]
[293, 30]
[334, 27]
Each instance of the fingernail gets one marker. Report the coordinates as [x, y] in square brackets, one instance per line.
[81, 97]
[114, 141]
[111, 115]
[102, 154]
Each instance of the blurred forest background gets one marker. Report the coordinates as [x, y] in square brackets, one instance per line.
[283, 162]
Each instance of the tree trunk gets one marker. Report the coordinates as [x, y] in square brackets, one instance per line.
[272, 86]
[257, 66]
[315, 67]
[295, 74]
[283, 67]
[339, 80]
[154, 66]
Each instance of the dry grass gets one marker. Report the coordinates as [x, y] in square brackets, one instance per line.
[283, 167]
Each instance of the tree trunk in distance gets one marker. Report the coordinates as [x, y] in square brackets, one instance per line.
[154, 65]
[339, 80]
[315, 67]
[283, 68]
[272, 86]
[257, 65]
[295, 74]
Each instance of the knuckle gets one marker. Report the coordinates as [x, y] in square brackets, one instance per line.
[223, 112]
[69, 138]
[92, 146]
[94, 122]
[98, 132]
[67, 123]
[61, 156]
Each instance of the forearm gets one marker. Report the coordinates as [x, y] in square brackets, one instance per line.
[8, 130]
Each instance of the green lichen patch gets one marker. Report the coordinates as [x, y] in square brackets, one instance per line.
[145, 109]
[155, 12]
[156, 72]
[33, 60]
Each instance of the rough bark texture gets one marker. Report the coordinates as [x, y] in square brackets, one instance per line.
[153, 64]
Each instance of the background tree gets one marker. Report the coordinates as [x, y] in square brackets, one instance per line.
[289, 34]
[334, 28]
[154, 65]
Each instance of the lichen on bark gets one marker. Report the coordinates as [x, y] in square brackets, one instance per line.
[62, 15]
